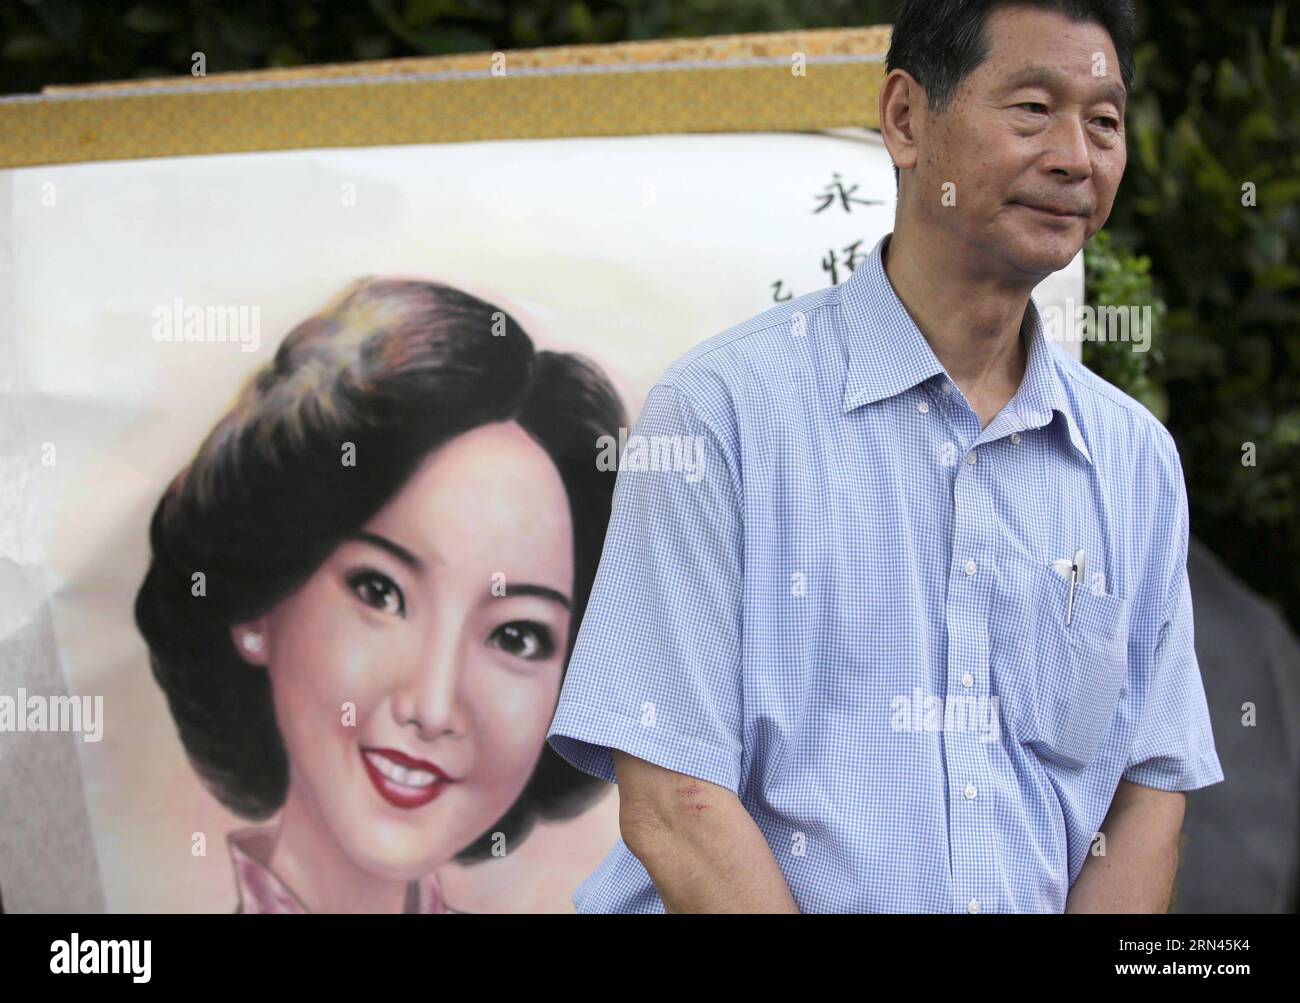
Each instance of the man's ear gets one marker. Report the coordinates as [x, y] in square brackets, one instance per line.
[251, 641]
[902, 103]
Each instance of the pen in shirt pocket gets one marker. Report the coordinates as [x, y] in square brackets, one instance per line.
[1076, 572]
[1073, 570]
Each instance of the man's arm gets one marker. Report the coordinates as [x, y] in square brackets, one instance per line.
[700, 846]
[1136, 874]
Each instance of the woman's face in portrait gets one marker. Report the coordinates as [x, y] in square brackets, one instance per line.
[443, 623]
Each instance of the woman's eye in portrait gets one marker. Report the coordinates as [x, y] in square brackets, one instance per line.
[524, 639]
[377, 590]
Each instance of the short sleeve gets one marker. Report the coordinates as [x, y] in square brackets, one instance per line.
[656, 667]
[1174, 746]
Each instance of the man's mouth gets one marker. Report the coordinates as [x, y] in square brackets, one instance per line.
[1054, 211]
[402, 780]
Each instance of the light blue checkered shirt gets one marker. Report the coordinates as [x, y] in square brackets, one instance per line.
[844, 608]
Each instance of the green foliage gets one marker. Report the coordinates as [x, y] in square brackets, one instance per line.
[79, 41]
[1118, 277]
[1230, 345]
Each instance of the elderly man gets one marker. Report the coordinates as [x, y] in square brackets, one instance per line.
[916, 636]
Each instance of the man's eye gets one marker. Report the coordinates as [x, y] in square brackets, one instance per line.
[530, 641]
[1032, 104]
[1111, 123]
[377, 590]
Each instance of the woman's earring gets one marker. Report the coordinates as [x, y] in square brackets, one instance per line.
[252, 641]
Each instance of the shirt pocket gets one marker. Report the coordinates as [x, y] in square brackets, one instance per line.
[1079, 670]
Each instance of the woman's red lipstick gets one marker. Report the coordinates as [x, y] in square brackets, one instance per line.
[401, 780]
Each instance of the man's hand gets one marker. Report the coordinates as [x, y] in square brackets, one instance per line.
[1137, 872]
[700, 846]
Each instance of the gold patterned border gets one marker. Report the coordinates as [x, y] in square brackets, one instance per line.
[781, 81]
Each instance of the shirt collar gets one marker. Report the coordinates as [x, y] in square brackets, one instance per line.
[261, 891]
[1042, 393]
[887, 353]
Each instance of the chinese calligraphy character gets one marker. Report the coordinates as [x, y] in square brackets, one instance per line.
[837, 190]
[851, 259]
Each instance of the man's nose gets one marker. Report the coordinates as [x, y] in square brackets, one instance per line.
[1069, 151]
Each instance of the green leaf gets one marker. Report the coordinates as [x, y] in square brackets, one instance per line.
[149, 20]
[30, 49]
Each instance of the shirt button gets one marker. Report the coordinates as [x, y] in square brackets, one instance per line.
[1015, 438]
[969, 792]
[968, 680]
[970, 457]
[973, 905]
[923, 407]
[970, 567]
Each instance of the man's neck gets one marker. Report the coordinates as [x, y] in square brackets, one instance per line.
[972, 324]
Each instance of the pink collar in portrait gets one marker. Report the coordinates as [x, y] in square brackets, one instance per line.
[260, 891]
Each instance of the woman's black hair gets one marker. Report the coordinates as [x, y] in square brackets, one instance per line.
[390, 371]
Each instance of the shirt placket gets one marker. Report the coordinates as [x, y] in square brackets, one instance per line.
[966, 730]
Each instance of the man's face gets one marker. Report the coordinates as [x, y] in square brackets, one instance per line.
[1040, 123]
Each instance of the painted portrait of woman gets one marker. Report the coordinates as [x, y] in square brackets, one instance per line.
[363, 591]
